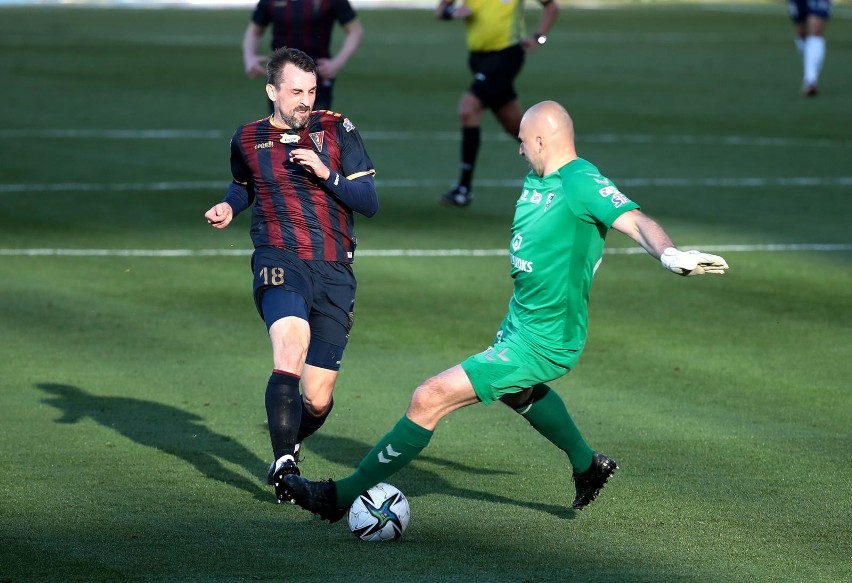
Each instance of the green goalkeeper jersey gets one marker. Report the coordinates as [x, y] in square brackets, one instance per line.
[561, 222]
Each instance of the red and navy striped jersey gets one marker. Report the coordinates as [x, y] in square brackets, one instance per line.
[303, 24]
[292, 210]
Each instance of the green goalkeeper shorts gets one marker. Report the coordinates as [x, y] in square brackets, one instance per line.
[512, 365]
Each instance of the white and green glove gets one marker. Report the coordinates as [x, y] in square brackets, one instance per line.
[692, 262]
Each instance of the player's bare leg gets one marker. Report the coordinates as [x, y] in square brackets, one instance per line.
[509, 117]
[317, 400]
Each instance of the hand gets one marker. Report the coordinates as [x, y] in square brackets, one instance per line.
[529, 44]
[220, 216]
[692, 262]
[255, 66]
[328, 68]
[462, 12]
[309, 160]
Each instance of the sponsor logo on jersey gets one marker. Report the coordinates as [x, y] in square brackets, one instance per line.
[619, 199]
[603, 180]
[263, 145]
[525, 195]
[517, 241]
[289, 138]
[316, 138]
[521, 264]
[348, 125]
[549, 200]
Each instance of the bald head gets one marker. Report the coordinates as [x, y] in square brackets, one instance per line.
[547, 137]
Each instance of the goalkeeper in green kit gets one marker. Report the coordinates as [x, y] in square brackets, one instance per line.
[561, 219]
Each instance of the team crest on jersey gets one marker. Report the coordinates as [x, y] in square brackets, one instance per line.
[348, 125]
[289, 139]
[316, 138]
[549, 200]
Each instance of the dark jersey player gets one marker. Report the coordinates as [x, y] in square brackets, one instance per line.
[306, 173]
[305, 25]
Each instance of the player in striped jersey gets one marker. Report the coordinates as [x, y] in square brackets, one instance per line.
[305, 25]
[306, 173]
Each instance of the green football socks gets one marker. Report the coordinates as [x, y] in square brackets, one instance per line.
[546, 412]
[390, 454]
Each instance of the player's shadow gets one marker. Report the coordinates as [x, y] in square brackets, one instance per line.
[168, 429]
[419, 481]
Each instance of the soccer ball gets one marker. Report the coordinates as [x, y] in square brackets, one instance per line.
[380, 513]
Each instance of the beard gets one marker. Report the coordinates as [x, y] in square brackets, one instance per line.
[294, 121]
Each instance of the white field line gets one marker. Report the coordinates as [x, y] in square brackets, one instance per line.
[399, 136]
[756, 248]
[391, 183]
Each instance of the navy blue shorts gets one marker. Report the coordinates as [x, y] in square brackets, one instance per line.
[801, 9]
[494, 75]
[321, 292]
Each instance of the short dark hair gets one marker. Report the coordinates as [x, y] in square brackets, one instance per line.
[286, 55]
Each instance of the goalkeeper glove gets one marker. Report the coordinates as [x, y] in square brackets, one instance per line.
[692, 262]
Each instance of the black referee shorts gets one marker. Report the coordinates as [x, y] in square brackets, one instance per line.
[494, 75]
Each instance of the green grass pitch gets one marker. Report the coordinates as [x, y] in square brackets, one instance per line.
[133, 444]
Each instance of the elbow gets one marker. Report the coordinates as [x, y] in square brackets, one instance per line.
[371, 211]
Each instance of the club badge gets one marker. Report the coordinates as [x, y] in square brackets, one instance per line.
[316, 138]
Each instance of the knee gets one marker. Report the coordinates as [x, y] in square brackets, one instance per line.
[427, 396]
[318, 407]
[517, 400]
[470, 111]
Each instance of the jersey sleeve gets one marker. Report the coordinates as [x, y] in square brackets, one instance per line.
[343, 12]
[262, 15]
[240, 170]
[354, 160]
[598, 200]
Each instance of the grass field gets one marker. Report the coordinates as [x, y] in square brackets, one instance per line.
[133, 444]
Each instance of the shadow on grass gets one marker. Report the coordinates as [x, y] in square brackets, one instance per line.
[183, 435]
[419, 481]
[168, 429]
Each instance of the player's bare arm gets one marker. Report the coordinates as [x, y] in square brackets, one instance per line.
[549, 14]
[645, 231]
[329, 68]
[651, 236]
[254, 64]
